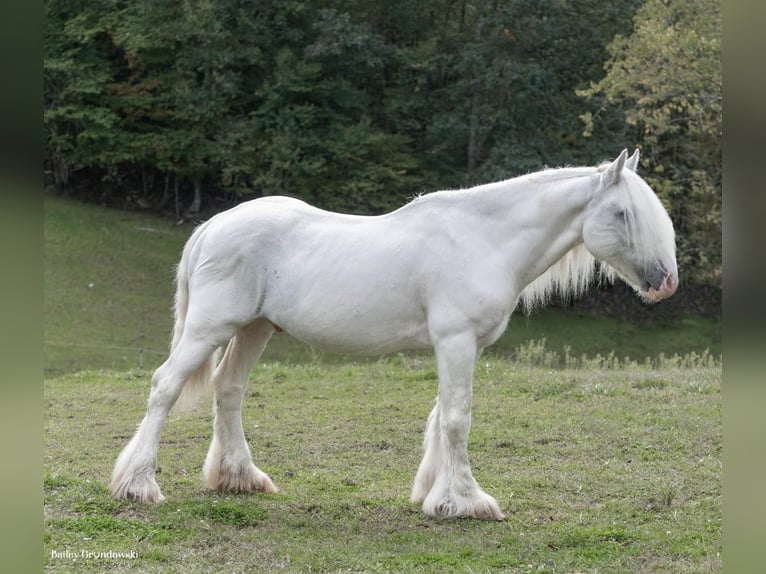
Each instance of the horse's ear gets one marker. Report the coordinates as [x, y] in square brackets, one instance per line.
[612, 173]
[632, 162]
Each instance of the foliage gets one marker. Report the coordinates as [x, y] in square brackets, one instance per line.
[667, 77]
[359, 105]
[353, 107]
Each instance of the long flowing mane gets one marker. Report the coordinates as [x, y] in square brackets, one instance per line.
[571, 275]
[568, 277]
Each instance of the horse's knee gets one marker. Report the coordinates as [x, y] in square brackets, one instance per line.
[158, 376]
[163, 395]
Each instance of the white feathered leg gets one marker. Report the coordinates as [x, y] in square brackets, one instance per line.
[133, 474]
[454, 492]
[432, 454]
[228, 465]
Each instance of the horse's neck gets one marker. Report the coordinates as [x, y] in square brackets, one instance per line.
[538, 223]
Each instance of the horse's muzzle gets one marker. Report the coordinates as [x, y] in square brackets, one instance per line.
[664, 287]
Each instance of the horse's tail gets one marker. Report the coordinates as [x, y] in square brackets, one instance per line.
[200, 379]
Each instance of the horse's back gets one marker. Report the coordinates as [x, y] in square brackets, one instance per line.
[341, 282]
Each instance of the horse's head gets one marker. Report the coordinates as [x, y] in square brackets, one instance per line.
[627, 227]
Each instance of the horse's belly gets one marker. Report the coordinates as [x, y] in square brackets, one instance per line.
[361, 345]
[342, 323]
[355, 337]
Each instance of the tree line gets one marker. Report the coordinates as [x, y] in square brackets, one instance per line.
[357, 105]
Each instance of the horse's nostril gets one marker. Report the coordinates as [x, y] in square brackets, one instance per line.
[645, 286]
[671, 283]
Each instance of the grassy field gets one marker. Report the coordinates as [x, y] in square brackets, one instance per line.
[601, 464]
[108, 286]
[109, 289]
[599, 470]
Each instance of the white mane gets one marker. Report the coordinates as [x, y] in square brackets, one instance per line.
[568, 277]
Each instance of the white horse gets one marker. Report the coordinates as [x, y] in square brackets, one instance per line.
[444, 271]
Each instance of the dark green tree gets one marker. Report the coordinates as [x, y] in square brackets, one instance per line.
[80, 122]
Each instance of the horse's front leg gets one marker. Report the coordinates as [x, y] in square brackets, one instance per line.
[445, 473]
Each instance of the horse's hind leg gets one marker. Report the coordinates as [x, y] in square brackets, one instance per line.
[426, 475]
[228, 466]
[133, 474]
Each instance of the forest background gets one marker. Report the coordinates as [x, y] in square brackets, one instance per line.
[186, 108]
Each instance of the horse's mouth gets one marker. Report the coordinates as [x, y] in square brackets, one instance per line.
[662, 291]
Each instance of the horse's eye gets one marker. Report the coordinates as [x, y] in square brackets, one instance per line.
[620, 214]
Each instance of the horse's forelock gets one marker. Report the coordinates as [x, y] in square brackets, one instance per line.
[649, 226]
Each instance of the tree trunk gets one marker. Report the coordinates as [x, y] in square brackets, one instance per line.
[165, 191]
[144, 183]
[474, 141]
[197, 202]
[177, 199]
[475, 138]
[60, 174]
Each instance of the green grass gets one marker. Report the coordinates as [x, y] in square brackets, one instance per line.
[109, 291]
[599, 470]
[108, 286]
